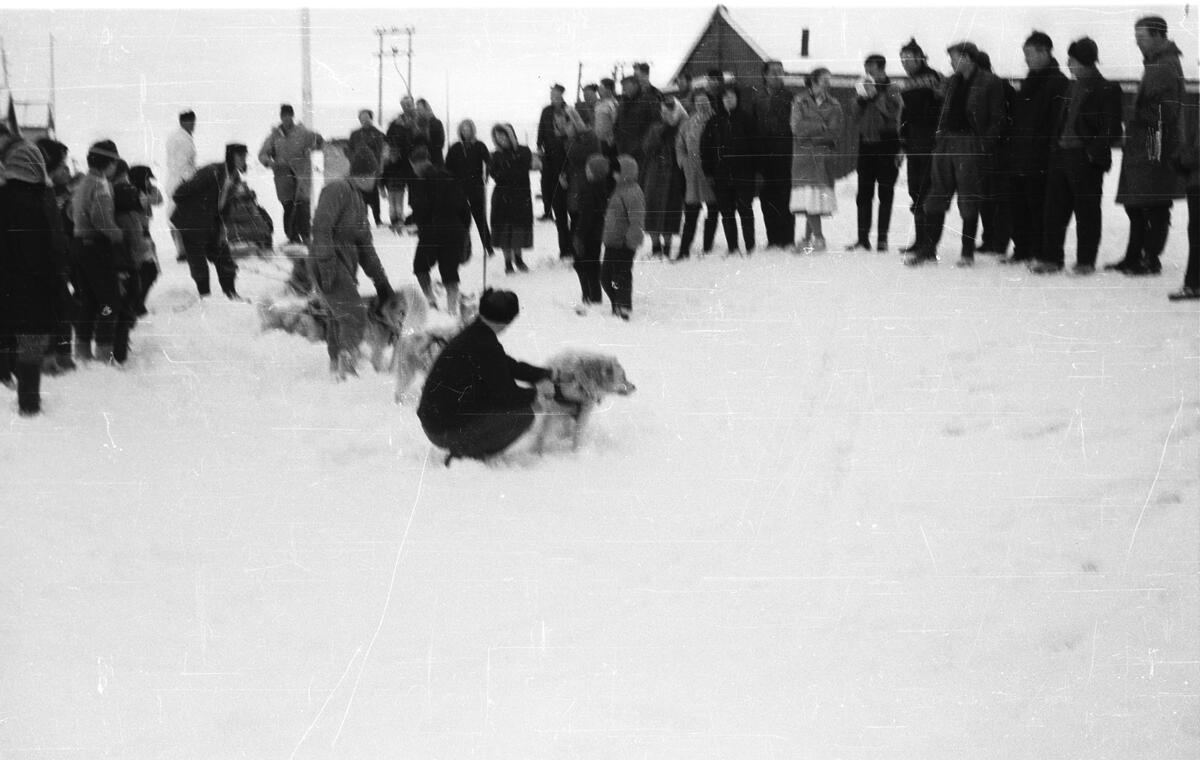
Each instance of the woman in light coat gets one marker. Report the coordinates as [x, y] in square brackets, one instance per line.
[698, 188]
[817, 126]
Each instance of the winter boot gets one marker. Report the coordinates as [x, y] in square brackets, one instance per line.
[83, 350]
[29, 383]
[666, 248]
[520, 262]
[104, 353]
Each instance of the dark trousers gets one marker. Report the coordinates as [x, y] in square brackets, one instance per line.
[616, 276]
[1031, 199]
[1191, 278]
[774, 196]
[919, 167]
[66, 314]
[371, 198]
[477, 199]
[737, 195]
[146, 275]
[564, 222]
[587, 268]
[549, 187]
[996, 209]
[483, 435]
[205, 245]
[297, 220]
[691, 216]
[1073, 185]
[876, 168]
[99, 292]
[1148, 226]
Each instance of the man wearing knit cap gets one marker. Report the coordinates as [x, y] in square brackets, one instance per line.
[341, 244]
[1085, 122]
[1149, 184]
[197, 216]
[471, 404]
[968, 130]
[1041, 92]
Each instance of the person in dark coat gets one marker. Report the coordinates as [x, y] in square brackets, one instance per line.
[996, 206]
[434, 132]
[922, 97]
[968, 129]
[1086, 121]
[589, 231]
[636, 112]
[58, 357]
[512, 203]
[876, 112]
[370, 138]
[145, 253]
[443, 217]
[587, 106]
[1034, 110]
[468, 161]
[32, 255]
[397, 171]
[772, 109]
[550, 148]
[96, 258]
[1148, 184]
[342, 243]
[197, 216]
[662, 179]
[581, 143]
[471, 404]
[728, 152]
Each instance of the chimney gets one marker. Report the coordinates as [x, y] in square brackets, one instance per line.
[804, 43]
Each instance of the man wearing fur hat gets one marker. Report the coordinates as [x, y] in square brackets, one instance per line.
[471, 404]
[342, 243]
[1085, 121]
[968, 130]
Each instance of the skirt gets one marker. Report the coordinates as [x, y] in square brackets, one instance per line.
[818, 200]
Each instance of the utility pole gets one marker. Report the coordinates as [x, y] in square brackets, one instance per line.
[579, 84]
[306, 68]
[52, 98]
[380, 32]
[408, 82]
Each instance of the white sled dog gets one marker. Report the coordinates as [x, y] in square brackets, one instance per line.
[390, 324]
[586, 378]
[415, 355]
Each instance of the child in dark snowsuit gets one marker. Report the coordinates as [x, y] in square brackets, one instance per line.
[589, 231]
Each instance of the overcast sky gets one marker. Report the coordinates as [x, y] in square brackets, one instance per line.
[126, 73]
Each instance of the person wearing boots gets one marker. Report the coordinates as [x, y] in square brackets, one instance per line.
[728, 154]
[512, 206]
[589, 231]
[1037, 104]
[471, 404]
[623, 234]
[58, 359]
[922, 98]
[198, 218]
[287, 151]
[662, 179]
[32, 252]
[443, 218]
[468, 161]
[1187, 161]
[342, 243]
[181, 165]
[581, 144]
[94, 251]
[968, 128]
[550, 147]
[772, 122]
[370, 138]
[996, 206]
[817, 125]
[877, 112]
[698, 189]
[1149, 184]
[1086, 120]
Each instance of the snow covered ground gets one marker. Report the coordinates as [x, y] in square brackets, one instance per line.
[853, 511]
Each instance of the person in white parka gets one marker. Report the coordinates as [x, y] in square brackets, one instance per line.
[181, 165]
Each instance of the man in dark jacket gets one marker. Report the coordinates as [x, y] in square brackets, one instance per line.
[197, 216]
[32, 253]
[471, 404]
[996, 206]
[96, 258]
[877, 113]
[341, 244]
[772, 109]
[550, 148]
[433, 130]
[922, 98]
[1030, 144]
[1085, 122]
[58, 357]
[370, 138]
[968, 129]
[443, 217]
[1148, 184]
[397, 171]
[636, 113]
